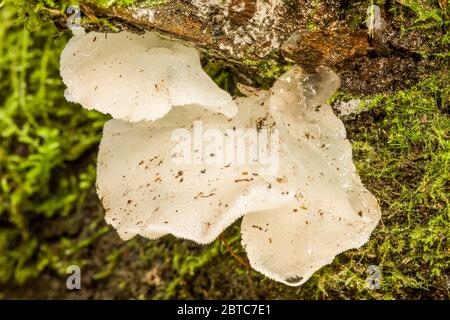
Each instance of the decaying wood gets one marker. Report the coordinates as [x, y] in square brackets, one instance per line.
[250, 30]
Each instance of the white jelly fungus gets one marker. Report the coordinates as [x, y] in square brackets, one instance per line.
[282, 161]
[137, 77]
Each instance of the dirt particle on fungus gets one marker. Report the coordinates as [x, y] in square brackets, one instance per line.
[179, 174]
[243, 180]
[280, 180]
[360, 213]
[257, 227]
[202, 195]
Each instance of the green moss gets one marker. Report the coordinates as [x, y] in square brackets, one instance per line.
[42, 135]
[430, 19]
[126, 3]
[268, 69]
[223, 75]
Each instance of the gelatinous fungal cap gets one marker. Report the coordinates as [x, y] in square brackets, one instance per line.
[331, 211]
[302, 205]
[181, 174]
[137, 77]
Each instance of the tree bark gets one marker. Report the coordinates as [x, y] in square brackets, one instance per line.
[308, 33]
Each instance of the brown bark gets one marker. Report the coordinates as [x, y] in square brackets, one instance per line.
[250, 30]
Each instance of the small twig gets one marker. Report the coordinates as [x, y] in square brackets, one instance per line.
[53, 12]
[89, 13]
[241, 261]
[233, 254]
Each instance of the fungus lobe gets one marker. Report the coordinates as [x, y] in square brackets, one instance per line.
[301, 209]
[137, 77]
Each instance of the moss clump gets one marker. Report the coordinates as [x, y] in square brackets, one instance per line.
[42, 136]
[267, 70]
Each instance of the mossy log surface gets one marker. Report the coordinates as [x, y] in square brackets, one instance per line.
[51, 217]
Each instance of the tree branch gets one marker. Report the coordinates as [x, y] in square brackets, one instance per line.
[240, 31]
